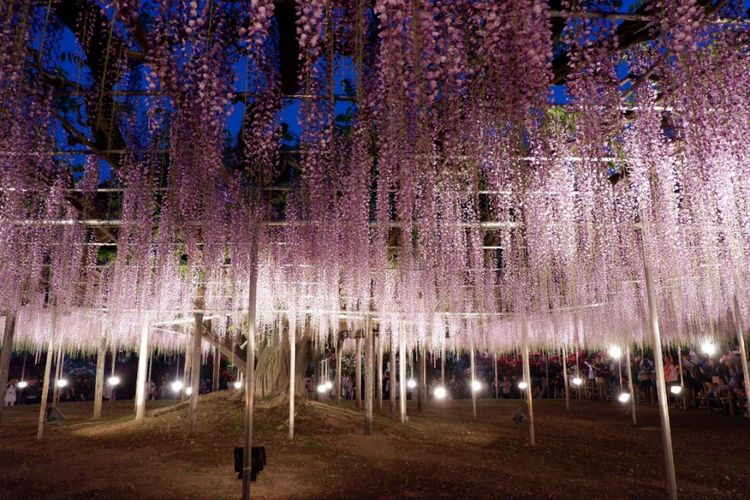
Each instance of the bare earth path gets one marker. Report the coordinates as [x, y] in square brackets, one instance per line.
[591, 451]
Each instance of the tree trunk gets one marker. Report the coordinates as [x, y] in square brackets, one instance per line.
[272, 372]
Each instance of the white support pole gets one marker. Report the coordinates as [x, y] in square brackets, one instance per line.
[358, 369]
[661, 384]
[631, 386]
[682, 380]
[380, 370]
[402, 375]
[527, 379]
[58, 375]
[473, 378]
[47, 375]
[216, 376]
[186, 372]
[739, 327]
[392, 378]
[565, 377]
[442, 363]
[418, 362]
[250, 372]
[423, 371]
[369, 351]
[497, 381]
[8, 334]
[292, 376]
[195, 375]
[140, 384]
[339, 356]
[101, 358]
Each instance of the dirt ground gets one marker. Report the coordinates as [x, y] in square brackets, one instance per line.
[591, 451]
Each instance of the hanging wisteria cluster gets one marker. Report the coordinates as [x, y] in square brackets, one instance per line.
[456, 202]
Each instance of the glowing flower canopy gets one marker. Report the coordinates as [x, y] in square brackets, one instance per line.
[453, 203]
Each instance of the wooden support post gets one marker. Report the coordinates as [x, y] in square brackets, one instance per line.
[380, 370]
[739, 327]
[369, 352]
[292, 376]
[631, 386]
[8, 334]
[358, 369]
[527, 379]
[140, 383]
[661, 384]
[250, 372]
[195, 375]
[101, 359]
[47, 376]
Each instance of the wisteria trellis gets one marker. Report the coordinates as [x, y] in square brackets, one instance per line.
[457, 200]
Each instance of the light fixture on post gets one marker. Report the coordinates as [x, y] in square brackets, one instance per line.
[577, 381]
[61, 383]
[113, 381]
[440, 392]
[23, 384]
[709, 348]
[176, 386]
[676, 389]
[615, 352]
[411, 383]
[624, 397]
[523, 385]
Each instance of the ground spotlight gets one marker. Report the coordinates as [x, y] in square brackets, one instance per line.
[411, 383]
[675, 389]
[624, 397]
[61, 383]
[176, 385]
[113, 380]
[440, 392]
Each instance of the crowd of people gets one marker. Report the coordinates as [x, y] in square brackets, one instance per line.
[80, 379]
[696, 380]
[700, 381]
